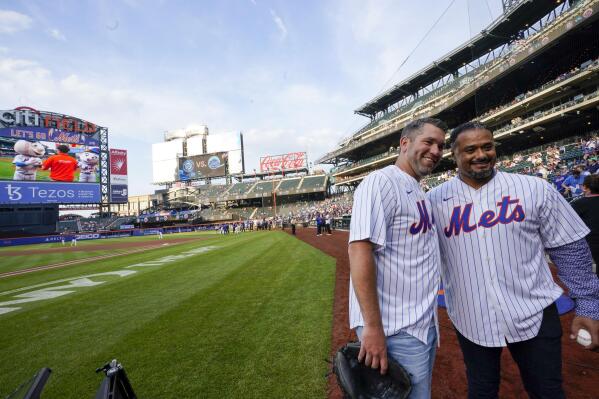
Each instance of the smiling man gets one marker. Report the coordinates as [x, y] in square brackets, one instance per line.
[494, 229]
[394, 259]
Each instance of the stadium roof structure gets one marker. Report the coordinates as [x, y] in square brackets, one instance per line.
[499, 32]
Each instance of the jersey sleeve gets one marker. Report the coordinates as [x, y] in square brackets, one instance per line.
[371, 211]
[559, 222]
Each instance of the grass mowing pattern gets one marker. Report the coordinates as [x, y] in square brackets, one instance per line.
[20, 262]
[249, 319]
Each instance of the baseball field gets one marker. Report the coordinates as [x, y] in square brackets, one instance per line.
[193, 315]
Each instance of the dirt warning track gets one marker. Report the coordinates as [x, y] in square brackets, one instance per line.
[580, 368]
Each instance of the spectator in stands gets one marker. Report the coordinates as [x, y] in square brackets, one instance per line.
[573, 183]
[62, 166]
[558, 181]
[587, 208]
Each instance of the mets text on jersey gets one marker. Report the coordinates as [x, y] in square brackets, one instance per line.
[461, 220]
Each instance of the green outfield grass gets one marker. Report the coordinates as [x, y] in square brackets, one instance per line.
[29, 259]
[251, 317]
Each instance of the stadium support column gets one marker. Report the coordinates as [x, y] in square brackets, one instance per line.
[242, 153]
[274, 197]
[104, 172]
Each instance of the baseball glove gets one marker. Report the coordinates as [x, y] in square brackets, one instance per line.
[359, 381]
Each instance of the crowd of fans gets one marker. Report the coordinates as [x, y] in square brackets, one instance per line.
[530, 93]
[555, 163]
[563, 164]
[334, 207]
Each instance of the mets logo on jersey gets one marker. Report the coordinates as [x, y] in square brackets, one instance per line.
[460, 218]
[425, 223]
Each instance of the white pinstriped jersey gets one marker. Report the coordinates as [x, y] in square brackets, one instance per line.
[494, 271]
[391, 211]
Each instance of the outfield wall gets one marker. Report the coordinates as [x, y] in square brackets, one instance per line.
[7, 242]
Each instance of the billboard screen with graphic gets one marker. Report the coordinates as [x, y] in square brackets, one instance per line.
[284, 162]
[118, 176]
[202, 166]
[44, 156]
[31, 192]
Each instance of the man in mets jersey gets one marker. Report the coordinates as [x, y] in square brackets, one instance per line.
[394, 259]
[494, 229]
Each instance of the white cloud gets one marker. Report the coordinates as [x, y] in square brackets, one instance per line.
[137, 114]
[12, 21]
[280, 24]
[56, 34]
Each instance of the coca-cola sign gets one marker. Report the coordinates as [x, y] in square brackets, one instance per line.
[291, 161]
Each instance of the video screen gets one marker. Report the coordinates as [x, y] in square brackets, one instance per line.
[41, 165]
[48, 161]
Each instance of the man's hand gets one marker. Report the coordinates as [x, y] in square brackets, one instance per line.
[591, 326]
[373, 349]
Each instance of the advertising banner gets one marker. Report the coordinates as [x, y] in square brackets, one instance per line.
[290, 161]
[26, 192]
[50, 134]
[118, 176]
[201, 166]
[118, 193]
[118, 162]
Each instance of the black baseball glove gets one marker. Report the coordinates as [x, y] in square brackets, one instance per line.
[359, 381]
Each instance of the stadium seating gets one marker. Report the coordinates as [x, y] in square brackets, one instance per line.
[288, 185]
[263, 188]
[239, 189]
[313, 183]
[68, 226]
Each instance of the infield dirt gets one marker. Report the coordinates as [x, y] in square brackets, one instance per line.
[580, 368]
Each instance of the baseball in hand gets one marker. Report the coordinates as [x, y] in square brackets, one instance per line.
[584, 337]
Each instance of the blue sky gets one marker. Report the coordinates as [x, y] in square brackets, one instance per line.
[288, 74]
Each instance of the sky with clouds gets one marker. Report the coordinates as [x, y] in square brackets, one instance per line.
[288, 74]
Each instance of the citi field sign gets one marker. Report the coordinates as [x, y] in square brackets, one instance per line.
[27, 116]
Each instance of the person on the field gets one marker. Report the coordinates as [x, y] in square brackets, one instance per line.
[62, 166]
[328, 220]
[394, 259]
[319, 224]
[494, 230]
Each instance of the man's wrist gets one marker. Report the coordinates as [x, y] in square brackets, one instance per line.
[588, 308]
